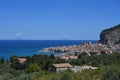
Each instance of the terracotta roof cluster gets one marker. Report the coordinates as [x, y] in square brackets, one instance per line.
[68, 57]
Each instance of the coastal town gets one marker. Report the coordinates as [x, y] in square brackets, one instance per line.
[89, 48]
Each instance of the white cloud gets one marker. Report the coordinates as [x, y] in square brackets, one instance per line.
[66, 37]
[18, 36]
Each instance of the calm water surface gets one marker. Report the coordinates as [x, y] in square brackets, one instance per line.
[30, 47]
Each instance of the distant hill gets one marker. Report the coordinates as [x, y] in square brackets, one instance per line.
[110, 36]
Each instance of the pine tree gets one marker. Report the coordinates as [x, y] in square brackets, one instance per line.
[2, 60]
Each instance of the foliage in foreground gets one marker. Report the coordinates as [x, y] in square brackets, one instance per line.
[105, 73]
[85, 75]
[36, 68]
[112, 73]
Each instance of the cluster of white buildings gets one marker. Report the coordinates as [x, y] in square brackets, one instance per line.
[89, 48]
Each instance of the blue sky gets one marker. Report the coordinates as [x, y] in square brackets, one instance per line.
[57, 19]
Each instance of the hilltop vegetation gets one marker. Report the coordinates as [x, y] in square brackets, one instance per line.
[112, 28]
[111, 36]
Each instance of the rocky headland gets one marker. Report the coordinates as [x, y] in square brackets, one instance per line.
[109, 43]
[110, 36]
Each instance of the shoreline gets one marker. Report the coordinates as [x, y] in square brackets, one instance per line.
[26, 48]
[88, 48]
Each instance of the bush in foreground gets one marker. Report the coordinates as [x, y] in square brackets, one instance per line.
[113, 73]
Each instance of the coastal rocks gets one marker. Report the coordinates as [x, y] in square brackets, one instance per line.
[110, 36]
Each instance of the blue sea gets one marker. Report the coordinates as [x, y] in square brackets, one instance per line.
[30, 47]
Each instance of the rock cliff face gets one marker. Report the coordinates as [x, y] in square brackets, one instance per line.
[111, 36]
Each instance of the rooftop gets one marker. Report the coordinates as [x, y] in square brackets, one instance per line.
[63, 65]
[22, 60]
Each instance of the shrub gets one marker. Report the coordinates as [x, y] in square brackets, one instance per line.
[113, 73]
[6, 76]
[66, 76]
[33, 68]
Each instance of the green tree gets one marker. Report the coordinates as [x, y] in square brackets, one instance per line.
[2, 60]
[52, 56]
[16, 65]
[13, 58]
[33, 68]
